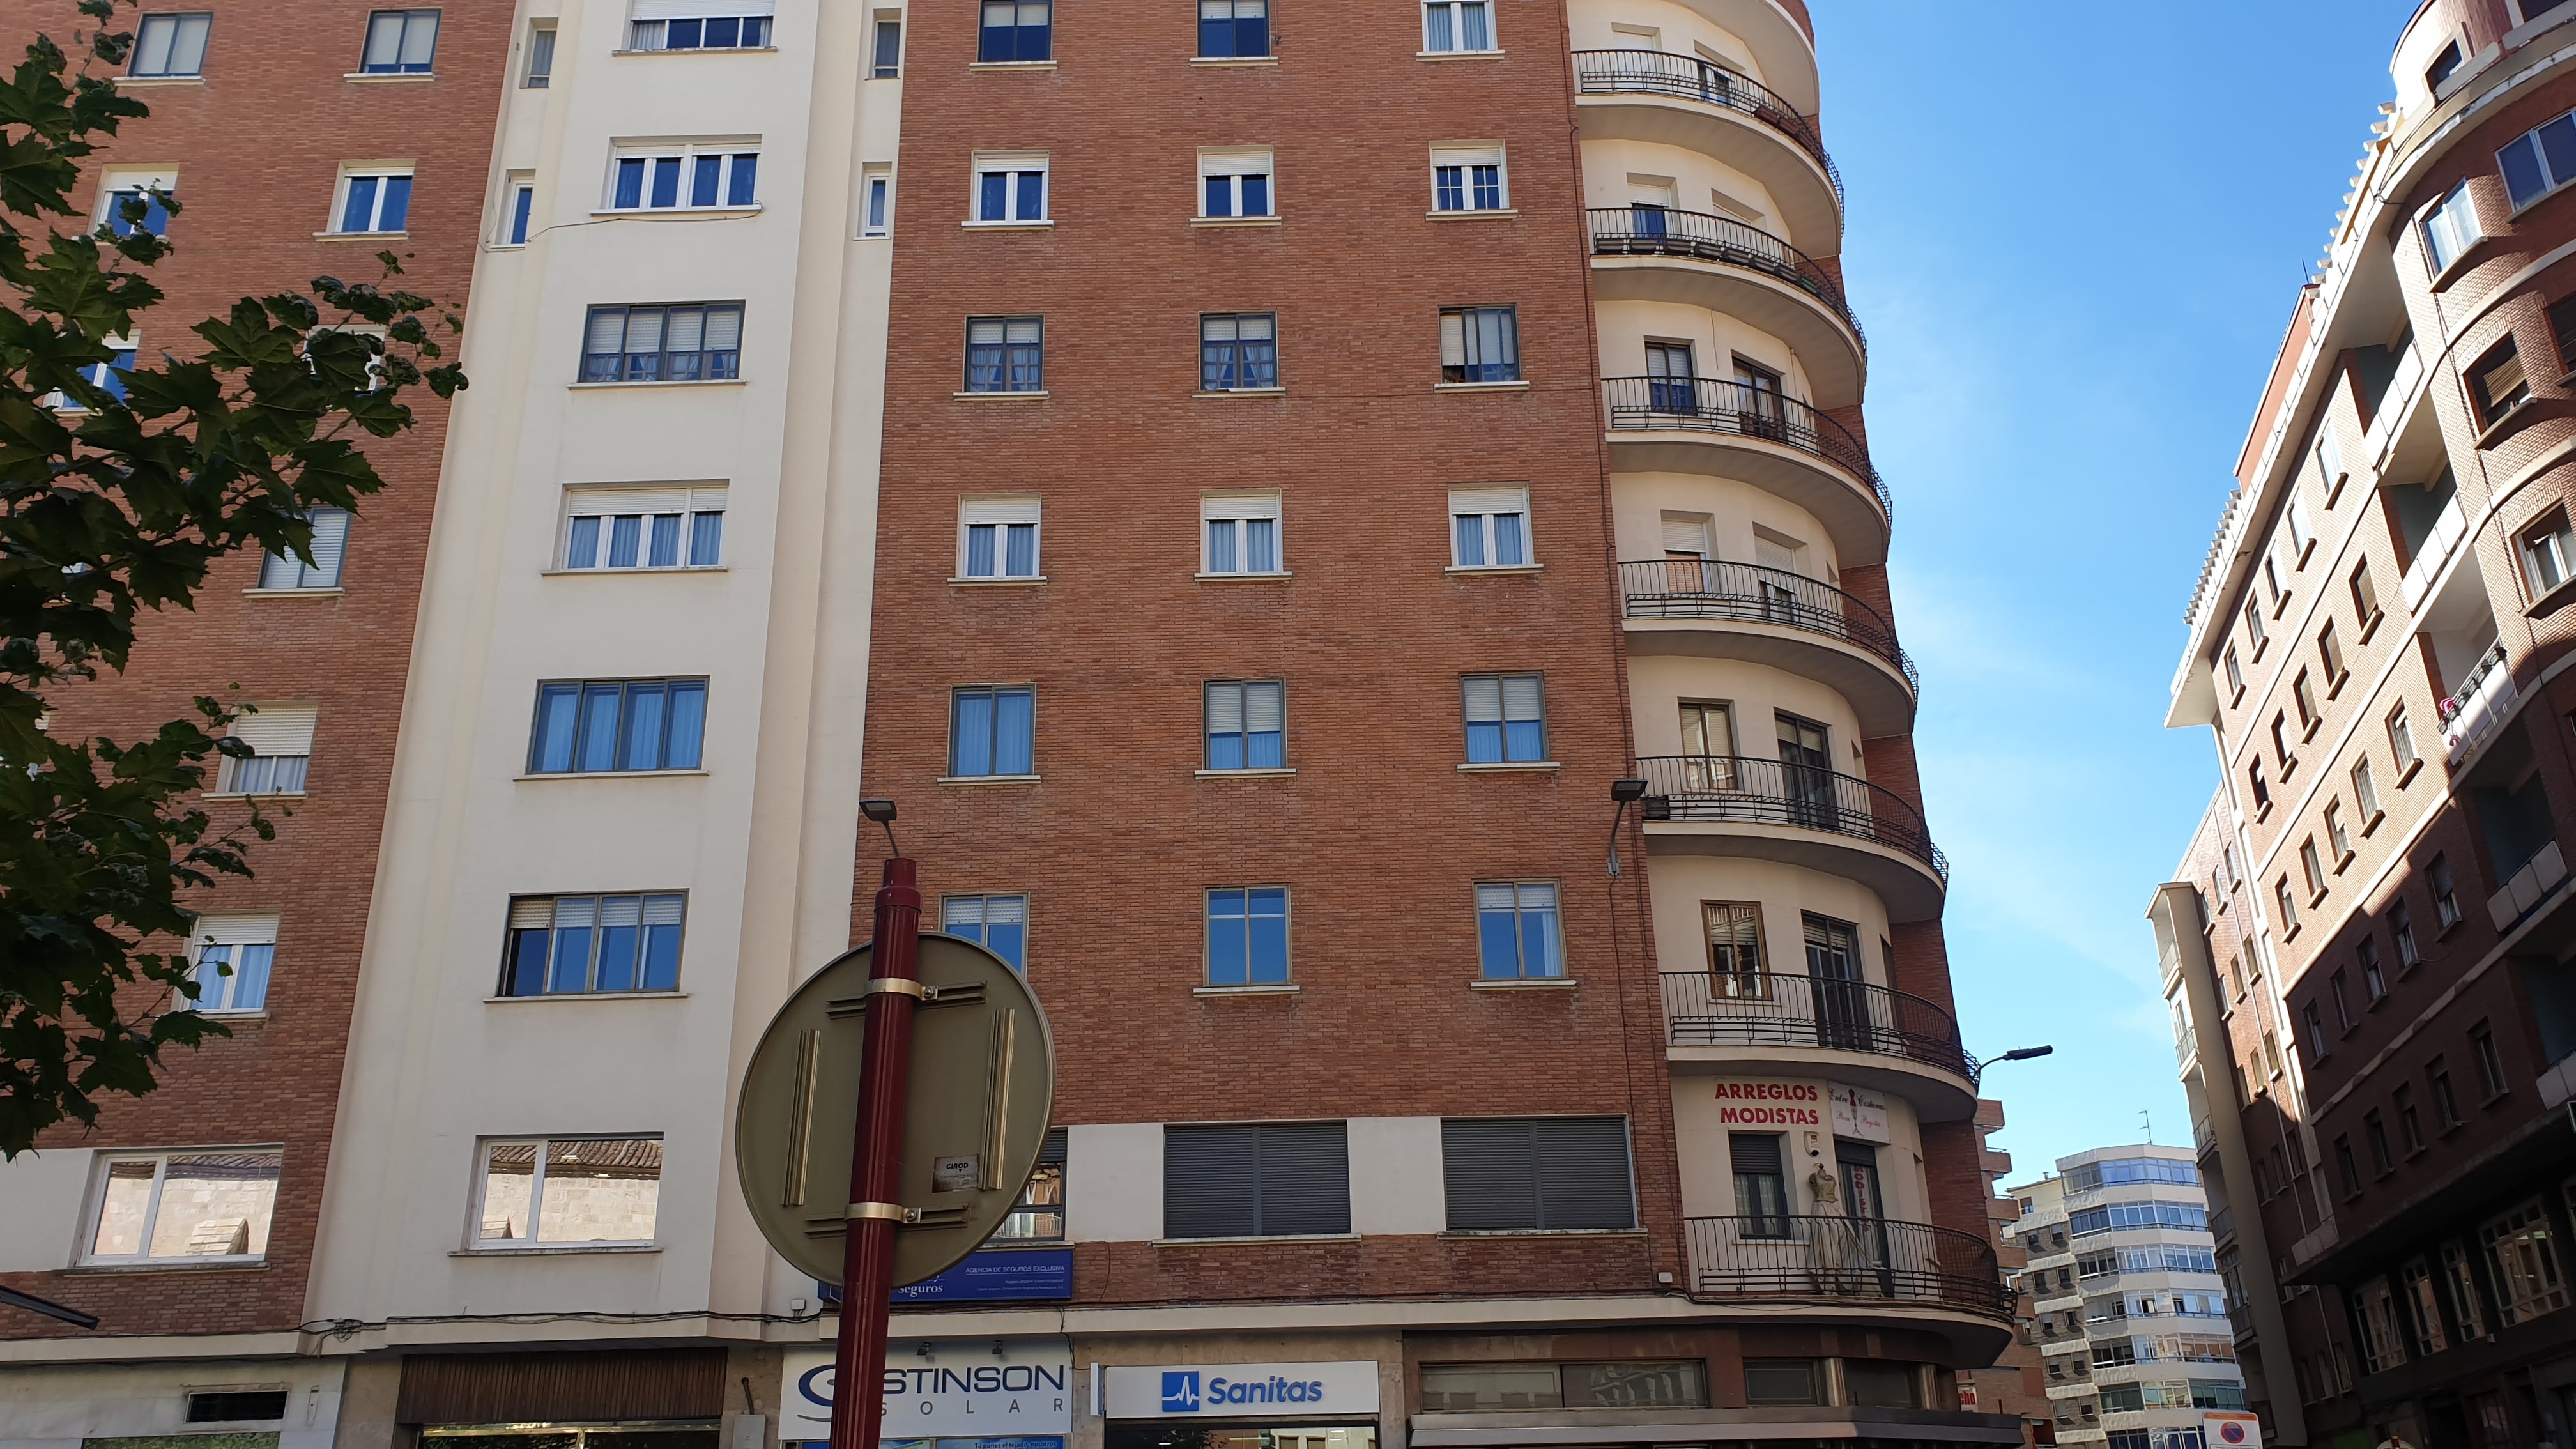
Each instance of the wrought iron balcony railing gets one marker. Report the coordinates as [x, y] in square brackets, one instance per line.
[1687, 588]
[1706, 405]
[1619, 231]
[1770, 792]
[1845, 1259]
[1603, 72]
[1705, 1008]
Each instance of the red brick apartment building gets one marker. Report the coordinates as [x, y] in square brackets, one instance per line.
[2366, 945]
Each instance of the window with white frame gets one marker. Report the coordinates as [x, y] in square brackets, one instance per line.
[192, 1206]
[1489, 528]
[673, 526]
[2548, 553]
[108, 377]
[1468, 178]
[588, 944]
[1010, 188]
[592, 726]
[400, 42]
[320, 571]
[666, 342]
[540, 72]
[230, 957]
[170, 46]
[997, 538]
[520, 210]
[2451, 228]
[1451, 26]
[2303, 534]
[372, 198]
[2539, 160]
[121, 191]
[1006, 354]
[280, 737]
[700, 24]
[557, 1192]
[1236, 184]
[684, 175]
[1246, 724]
[1517, 934]
[876, 204]
[1480, 344]
[1240, 534]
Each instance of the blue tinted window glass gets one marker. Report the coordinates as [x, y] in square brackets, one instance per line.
[643, 744]
[725, 33]
[598, 750]
[1523, 740]
[526, 201]
[572, 958]
[1471, 540]
[1032, 195]
[250, 978]
[685, 34]
[1220, 196]
[617, 948]
[979, 550]
[666, 541]
[625, 537]
[706, 540]
[524, 973]
[2520, 160]
[1268, 944]
[1252, 35]
[1014, 743]
[2558, 147]
[998, 41]
[996, 197]
[704, 184]
[740, 187]
[1538, 942]
[361, 208]
[1225, 751]
[1485, 742]
[581, 544]
[688, 727]
[1489, 188]
[1256, 196]
[1262, 750]
[1438, 34]
[1261, 545]
[1227, 965]
[1479, 35]
[1020, 559]
[630, 182]
[1448, 189]
[558, 707]
[395, 212]
[666, 180]
[1216, 33]
[661, 945]
[1508, 549]
[1498, 944]
[755, 30]
[970, 733]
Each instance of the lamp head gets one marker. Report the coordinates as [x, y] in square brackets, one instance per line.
[2023, 1054]
[880, 811]
[1625, 790]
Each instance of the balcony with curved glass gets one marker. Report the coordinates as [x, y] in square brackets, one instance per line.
[1660, 254]
[1707, 609]
[1851, 1031]
[1797, 814]
[1682, 100]
[1757, 436]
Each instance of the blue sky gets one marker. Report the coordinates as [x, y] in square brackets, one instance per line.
[2075, 238]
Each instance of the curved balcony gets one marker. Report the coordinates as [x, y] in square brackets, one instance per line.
[1755, 435]
[1799, 815]
[1836, 1259]
[1682, 100]
[1852, 1031]
[1658, 254]
[1772, 616]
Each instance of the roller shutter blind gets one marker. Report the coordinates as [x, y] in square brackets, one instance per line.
[1685, 535]
[277, 729]
[1583, 1177]
[1215, 507]
[1305, 1177]
[997, 510]
[1488, 500]
[693, 9]
[589, 502]
[1555, 1173]
[1269, 1179]
[234, 931]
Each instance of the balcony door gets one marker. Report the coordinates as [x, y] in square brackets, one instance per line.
[1856, 1163]
[1686, 554]
[1835, 976]
[1758, 400]
[1649, 202]
[1708, 747]
[1807, 771]
[1669, 377]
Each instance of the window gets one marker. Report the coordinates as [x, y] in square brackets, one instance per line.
[2562, 329]
[523, 203]
[1761, 1185]
[585, 945]
[876, 216]
[1257, 1180]
[2304, 694]
[2254, 626]
[108, 377]
[2313, 1028]
[1517, 935]
[374, 201]
[607, 725]
[2451, 228]
[2496, 382]
[1882, 1384]
[2467, 1306]
[1247, 936]
[330, 540]
[1238, 351]
[2312, 868]
[2272, 1054]
[2446, 902]
[2235, 674]
[131, 199]
[1245, 724]
[1241, 533]
[1038, 1217]
[691, 176]
[280, 737]
[2375, 1313]
[1235, 183]
[888, 63]
[2330, 655]
[2401, 741]
[2303, 534]
[399, 42]
[170, 45]
[541, 56]
[233, 957]
[1468, 178]
[1000, 924]
[991, 731]
[672, 342]
[2409, 1126]
[2376, 1131]
[1735, 948]
[1234, 28]
[2365, 596]
[682, 25]
[2443, 66]
[2365, 791]
[1010, 187]
[2525, 1260]
[564, 1191]
[2548, 554]
[1506, 719]
[183, 1207]
[2482, 1045]
[2346, 1168]
[2272, 582]
[1457, 25]
[2254, 780]
[2338, 839]
[2446, 1108]
[1015, 31]
[1480, 344]
[2538, 161]
[2371, 979]
[1536, 1173]
[1626, 1384]
[2281, 743]
[644, 528]
[1005, 354]
[997, 538]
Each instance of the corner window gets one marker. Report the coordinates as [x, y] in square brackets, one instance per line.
[1518, 937]
[2548, 553]
[1234, 29]
[522, 212]
[1010, 186]
[541, 56]
[1257, 1180]
[233, 958]
[694, 29]
[1005, 354]
[1235, 184]
[1240, 533]
[206, 1205]
[999, 924]
[373, 201]
[1016, 30]
[400, 42]
[610, 726]
[1560, 1174]
[643, 528]
[1468, 178]
[1450, 26]
[1506, 718]
[584, 945]
[991, 731]
[698, 176]
[672, 342]
[546, 1192]
[876, 190]
[1245, 724]
[2451, 228]
[280, 737]
[1238, 351]
[1783, 1381]
[1489, 528]
[1247, 936]
[2538, 161]
[2496, 382]
[170, 46]
[1480, 344]
[997, 538]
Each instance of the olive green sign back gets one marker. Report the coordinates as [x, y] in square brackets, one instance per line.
[983, 1082]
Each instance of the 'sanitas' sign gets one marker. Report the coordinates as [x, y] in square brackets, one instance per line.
[1240, 1390]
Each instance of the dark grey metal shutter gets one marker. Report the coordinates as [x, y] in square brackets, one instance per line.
[1305, 1178]
[1583, 1179]
[1487, 1173]
[1210, 1179]
[1754, 1151]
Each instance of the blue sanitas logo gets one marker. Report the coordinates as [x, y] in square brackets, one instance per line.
[1181, 1392]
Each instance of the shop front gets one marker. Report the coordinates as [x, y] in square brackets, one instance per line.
[945, 1393]
[1331, 1405]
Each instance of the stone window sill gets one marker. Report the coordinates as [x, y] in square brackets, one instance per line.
[329, 593]
[1518, 385]
[156, 82]
[1494, 569]
[553, 1250]
[610, 775]
[1243, 577]
[1010, 65]
[1261, 774]
[987, 780]
[389, 77]
[1248, 1242]
[1548, 983]
[587, 996]
[1221, 62]
[262, 795]
[659, 382]
[1489, 214]
[1234, 221]
[1284, 988]
[1506, 767]
[1029, 581]
[999, 396]
[1026, 225]
[347, 236]
[1243, 392]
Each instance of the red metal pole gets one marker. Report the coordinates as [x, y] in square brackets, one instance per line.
[867, 1256]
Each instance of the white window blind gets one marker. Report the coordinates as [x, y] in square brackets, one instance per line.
[972, 511]
[1234, 163]
[1254, 707]
[277, 729]
[590, 502]
[1466, 155]
[1488, 500]
[234, 931]
[693, 9]
[1218, 506]
[533, 913]
[1511, 697]
[1685, 535]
